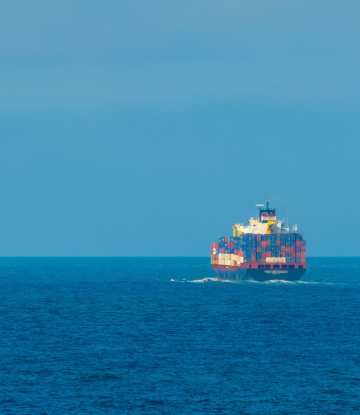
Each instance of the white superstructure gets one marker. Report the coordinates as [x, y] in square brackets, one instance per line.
[266, 224]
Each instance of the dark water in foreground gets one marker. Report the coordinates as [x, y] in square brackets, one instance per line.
[131, 336]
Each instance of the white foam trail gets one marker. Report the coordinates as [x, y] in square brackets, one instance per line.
[203, 280]
[256, 282]
[284, 282]
[298, 282]
[196, 281]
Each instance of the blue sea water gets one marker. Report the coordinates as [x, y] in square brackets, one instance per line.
[159, 336]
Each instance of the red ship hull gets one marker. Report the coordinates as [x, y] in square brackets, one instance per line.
[260, 272]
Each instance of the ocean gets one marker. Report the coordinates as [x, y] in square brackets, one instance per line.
[160, 336]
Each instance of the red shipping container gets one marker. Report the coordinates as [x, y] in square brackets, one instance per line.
[258, 249]
[303, 248]
[268, 242]
[263, 243]
[235, 251]
[258, 237]
[297, 243]
[253, 255]
[226, 238]
[288, 249]
[223, 250]
[241, 253]
[268, 254]
[216, 246]
[278, 242]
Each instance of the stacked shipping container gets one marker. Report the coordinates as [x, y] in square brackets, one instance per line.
[276, 247]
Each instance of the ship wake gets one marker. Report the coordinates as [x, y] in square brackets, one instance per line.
[196, 281]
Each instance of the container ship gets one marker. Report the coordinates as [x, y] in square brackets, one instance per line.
[263, 250]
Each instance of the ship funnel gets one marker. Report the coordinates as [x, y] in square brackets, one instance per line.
[267, 214]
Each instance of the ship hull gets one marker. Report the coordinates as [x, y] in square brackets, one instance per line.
[240, 274]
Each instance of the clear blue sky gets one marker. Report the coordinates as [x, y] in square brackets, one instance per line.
[150, 127]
